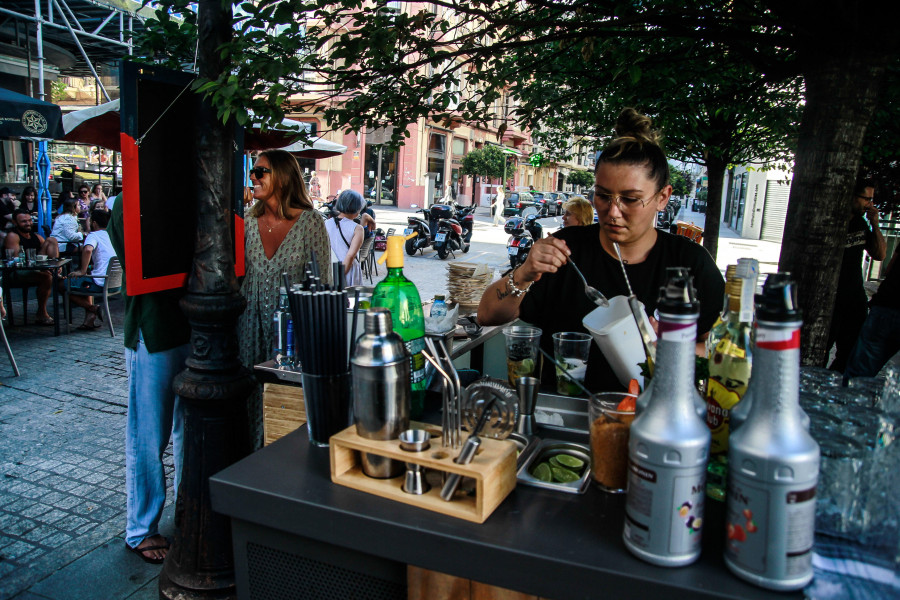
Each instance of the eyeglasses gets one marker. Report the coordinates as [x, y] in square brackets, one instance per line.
[625, 203]
[84, 191]
[257, 172]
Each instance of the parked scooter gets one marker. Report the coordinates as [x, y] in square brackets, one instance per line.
[449, 235]
[423, 231]
[466, 217]
[523, 233]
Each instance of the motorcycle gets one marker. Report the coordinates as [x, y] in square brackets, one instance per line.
[523, 231]
[665, 219]
[423, 231]
[466, 217]
[449, 235]
[326, 209]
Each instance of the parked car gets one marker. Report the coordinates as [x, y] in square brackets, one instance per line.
[557, 199]
[545, 204]
[516, 201]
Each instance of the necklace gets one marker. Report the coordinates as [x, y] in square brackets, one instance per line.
[270, 227]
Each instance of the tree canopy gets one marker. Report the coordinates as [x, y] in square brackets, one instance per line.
[485, 162]
[366, 64]
[581, 178]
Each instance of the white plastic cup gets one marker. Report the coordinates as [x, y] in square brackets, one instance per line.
[616, 334]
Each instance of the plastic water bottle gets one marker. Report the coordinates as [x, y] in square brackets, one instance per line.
[439, 308]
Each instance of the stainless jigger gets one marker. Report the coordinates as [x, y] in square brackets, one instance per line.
[415, 440]
[527, 388]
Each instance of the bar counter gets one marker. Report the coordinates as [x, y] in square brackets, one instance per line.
[298, 535]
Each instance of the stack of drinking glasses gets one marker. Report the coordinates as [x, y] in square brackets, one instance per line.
[859, 480]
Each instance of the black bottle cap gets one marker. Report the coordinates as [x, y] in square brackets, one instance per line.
[678, 296]
[778, 301]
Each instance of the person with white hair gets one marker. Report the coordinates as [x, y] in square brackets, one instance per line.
[346, 235]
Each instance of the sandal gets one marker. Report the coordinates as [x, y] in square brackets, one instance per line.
[144, 557]
[86, 327]
[43, 321]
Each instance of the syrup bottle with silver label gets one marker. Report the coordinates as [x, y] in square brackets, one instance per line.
[773, 461]
[669, 441]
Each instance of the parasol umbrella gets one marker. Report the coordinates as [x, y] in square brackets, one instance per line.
[22, 116]
[319, 148]
[96, 125]
[100, 126]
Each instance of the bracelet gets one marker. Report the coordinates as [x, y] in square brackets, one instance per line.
[517, 292]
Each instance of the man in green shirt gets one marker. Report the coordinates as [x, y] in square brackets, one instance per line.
[157, 342]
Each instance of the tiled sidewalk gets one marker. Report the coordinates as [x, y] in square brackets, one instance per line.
[62, 462]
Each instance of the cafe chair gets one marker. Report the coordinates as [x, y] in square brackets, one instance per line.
[112, 286]
[9, 353]
[7, 292]
[366, 257]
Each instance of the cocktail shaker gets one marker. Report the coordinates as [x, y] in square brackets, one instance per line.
[381, 394]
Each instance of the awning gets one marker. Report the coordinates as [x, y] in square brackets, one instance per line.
[22, 116]
[100, 126]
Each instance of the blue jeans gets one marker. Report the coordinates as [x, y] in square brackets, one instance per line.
[878, 341]
[153, 416]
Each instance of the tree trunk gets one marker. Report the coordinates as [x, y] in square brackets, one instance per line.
[715, 169]
[840, 99]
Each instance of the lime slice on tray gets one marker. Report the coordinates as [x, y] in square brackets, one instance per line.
[543, 472]
[554, 461]
[567, 460]
[563, 475]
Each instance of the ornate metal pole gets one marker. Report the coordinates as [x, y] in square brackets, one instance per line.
[214, 386]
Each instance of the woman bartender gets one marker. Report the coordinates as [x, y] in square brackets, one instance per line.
[631, 186]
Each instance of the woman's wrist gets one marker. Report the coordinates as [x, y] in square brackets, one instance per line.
[516, 289]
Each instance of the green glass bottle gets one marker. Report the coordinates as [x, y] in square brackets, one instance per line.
[399, 295]
[730, 363]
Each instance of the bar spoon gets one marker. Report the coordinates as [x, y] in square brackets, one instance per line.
[592, 293]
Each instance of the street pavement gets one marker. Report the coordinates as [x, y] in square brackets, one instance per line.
[62, 429]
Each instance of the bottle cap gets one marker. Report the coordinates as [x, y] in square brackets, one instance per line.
[438, 297]
[678, 295]
[778, 301]
[394, 253]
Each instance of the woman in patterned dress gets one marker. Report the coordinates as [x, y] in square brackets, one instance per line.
[281, 230]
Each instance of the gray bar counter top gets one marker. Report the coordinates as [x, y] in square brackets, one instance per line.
[541, 542]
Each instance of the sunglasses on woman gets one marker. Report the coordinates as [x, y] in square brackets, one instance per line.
[258, 172]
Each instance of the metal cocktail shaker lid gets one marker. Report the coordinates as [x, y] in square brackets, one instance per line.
[379, 346]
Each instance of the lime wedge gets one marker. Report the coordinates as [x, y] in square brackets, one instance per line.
[554, 461]
[567, 460]
[543, 472]
[563, 475]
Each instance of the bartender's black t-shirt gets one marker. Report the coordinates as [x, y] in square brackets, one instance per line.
[557, 302]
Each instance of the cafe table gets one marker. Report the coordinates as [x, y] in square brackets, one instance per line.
[298, 535]
[53, 266]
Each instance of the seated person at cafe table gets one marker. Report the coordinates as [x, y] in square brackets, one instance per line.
[631, 186]
[23, 238]
[66, 228]
[97, 249]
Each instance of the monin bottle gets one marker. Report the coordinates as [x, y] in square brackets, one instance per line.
[773, 461]
[669, 442]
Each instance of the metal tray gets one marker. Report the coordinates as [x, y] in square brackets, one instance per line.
[526, 445]
[562, 413]
[548, 448]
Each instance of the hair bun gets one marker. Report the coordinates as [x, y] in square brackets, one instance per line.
[632, 124]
